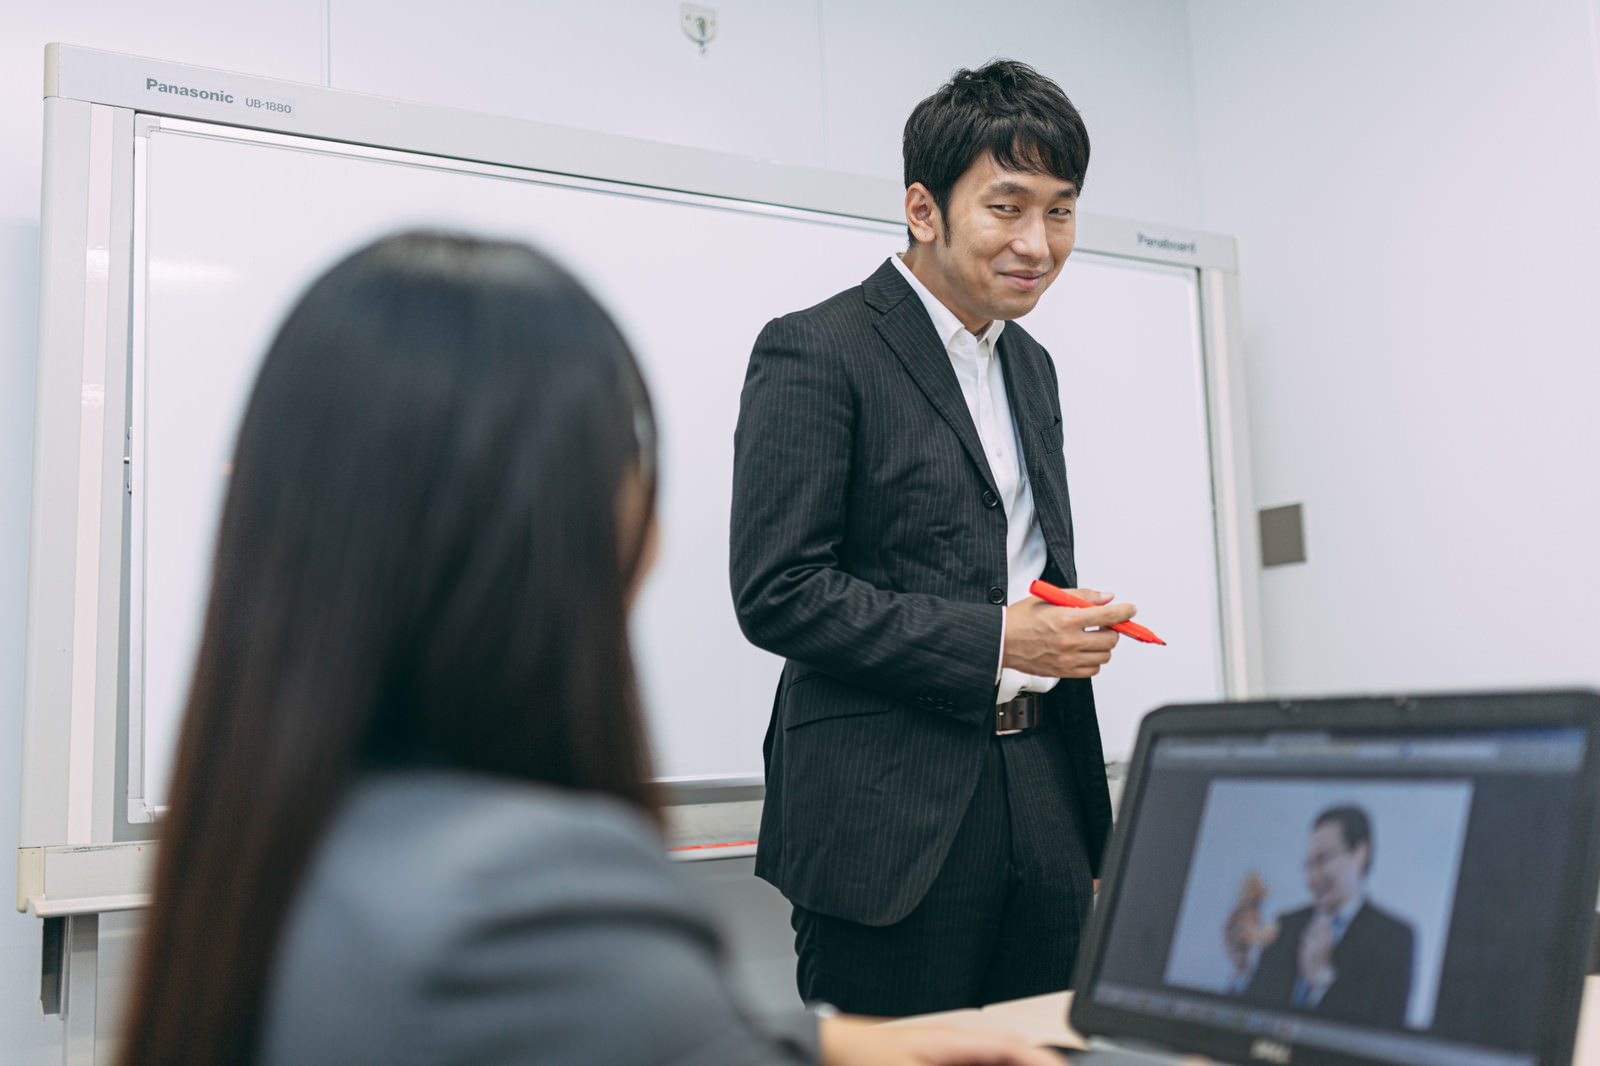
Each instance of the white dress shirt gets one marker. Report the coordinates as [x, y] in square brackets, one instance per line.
[983, 385]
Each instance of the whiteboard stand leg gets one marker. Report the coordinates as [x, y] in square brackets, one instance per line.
[78, 999]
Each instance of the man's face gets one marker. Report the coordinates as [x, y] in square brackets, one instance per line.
[1009, 234]
[1333, 871]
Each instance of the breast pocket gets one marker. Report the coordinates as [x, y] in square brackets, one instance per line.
[1050, 437]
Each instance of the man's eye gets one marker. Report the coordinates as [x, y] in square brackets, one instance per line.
[1008, 209]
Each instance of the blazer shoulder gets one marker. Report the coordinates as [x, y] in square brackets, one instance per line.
[451, 918]
[1392, 926]
[822, 343]
[854, 308]
[444, 832]
[416, 863]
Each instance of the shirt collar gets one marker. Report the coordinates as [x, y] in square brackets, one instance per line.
[1344, 915]
[945, 323]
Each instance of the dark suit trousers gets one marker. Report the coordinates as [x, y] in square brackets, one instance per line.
[1001, 920]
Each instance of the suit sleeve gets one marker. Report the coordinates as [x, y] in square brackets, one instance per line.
[793, 454]
[587, 948]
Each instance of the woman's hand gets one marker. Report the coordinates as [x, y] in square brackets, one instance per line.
[854, 1042]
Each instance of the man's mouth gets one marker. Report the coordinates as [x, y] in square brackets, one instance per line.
[1025, 280]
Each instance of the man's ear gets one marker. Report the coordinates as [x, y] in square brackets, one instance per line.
[922, 214]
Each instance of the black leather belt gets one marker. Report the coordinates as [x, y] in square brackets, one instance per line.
[1018, 715]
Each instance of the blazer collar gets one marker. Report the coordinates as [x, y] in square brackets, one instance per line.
[904, 325]
[886, 288]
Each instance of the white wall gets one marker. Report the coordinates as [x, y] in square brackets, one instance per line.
[1125, 65]
[1413, 187]
[826, 84]
[823, 82]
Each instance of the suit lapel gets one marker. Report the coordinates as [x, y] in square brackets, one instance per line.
[1028, 390]
[1355, 925]
[904, 325]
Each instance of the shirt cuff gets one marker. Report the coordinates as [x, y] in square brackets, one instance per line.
[1010, 682]
[1238, 983]
[999, 666]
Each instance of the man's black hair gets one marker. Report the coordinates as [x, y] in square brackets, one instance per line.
[1005, 109]
[1354, 824]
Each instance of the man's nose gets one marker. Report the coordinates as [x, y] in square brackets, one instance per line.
[1030, 240]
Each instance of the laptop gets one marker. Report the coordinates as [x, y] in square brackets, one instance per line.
[1375, 880]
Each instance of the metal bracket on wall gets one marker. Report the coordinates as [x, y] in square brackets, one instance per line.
[1283, 537]
[699, 24]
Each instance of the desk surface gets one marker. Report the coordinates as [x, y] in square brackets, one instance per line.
[1043, 1020]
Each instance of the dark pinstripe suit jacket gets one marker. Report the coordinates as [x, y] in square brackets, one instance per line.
[868, 550]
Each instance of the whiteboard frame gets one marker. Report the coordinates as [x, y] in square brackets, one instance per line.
[79, 849]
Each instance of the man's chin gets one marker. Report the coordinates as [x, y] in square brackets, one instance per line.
[1006, 310]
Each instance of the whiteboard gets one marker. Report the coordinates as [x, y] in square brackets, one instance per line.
[231, 225]
[1125, 337]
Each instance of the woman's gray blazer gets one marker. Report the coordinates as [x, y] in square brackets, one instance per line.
[451, 918]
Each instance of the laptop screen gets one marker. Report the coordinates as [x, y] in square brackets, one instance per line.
[1385, 895]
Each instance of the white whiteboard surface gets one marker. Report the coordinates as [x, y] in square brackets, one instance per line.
[232, 229]
[1125, 337]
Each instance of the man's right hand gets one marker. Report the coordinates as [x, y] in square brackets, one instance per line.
[848, 1041]
[1245, 931]
[1050, 641]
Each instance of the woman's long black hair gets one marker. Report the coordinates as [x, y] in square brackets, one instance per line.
[424, 557]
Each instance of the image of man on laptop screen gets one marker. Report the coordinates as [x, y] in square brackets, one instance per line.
[1343, 956]
[1288, 906]
[1393, 881]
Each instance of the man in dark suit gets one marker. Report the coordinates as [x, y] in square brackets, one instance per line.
[936, 802]
[1342, 958]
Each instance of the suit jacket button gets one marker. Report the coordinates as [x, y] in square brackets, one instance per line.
[990, 500]
[997, 595]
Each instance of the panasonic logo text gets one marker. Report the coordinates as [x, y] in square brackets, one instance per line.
[1167, 244]
[156, 85]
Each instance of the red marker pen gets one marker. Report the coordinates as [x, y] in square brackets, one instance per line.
[1062, 598]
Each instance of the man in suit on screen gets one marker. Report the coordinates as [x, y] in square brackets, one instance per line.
[936, 794]
[1342, 957]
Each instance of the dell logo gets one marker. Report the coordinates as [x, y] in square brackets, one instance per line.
[1270, 1050]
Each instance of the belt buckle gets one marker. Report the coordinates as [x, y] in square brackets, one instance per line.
[1016, 716]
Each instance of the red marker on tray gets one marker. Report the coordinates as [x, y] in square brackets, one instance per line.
[1062, 598]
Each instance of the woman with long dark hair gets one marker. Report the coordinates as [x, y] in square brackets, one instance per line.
[412, 818]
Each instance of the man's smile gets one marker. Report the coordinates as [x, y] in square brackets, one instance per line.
[1026, 280]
